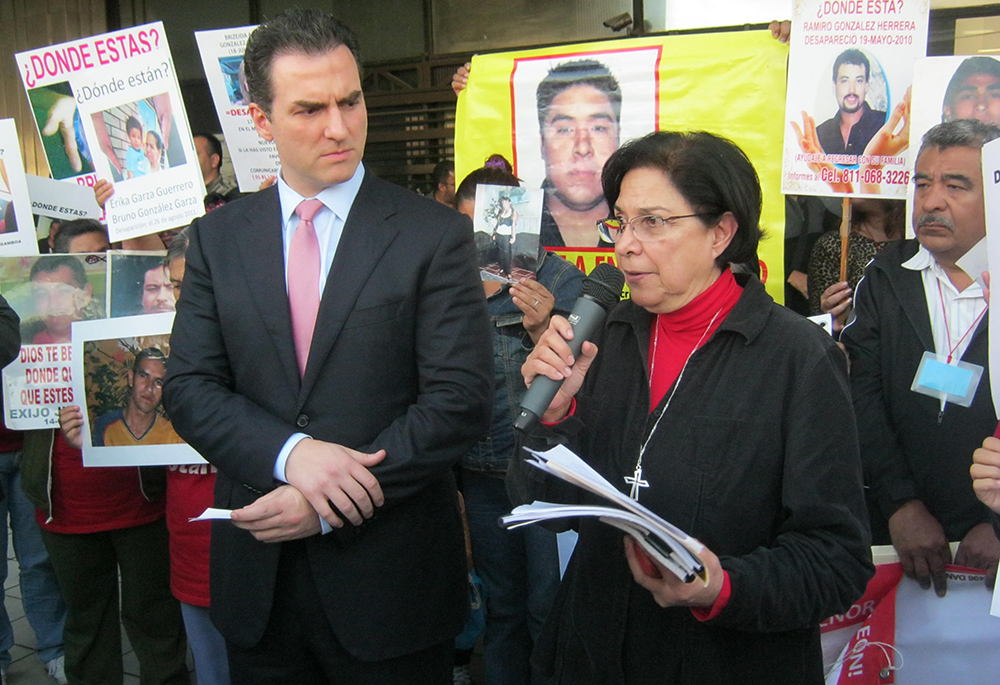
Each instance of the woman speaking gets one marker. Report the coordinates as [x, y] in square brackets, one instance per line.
[720, 410]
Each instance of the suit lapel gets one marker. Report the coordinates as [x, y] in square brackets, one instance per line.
[365, 237]
[909, 287]
[262, 257]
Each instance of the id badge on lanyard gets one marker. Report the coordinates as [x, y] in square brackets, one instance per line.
[955, 383]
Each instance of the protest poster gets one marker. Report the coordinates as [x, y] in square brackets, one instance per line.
[254, 159]
[17, 228]
[991, 197]
[731, 84]
[49, 293]
[119, 107]
[118, 370]
[506, 227]
[847, 129]
[138, 283]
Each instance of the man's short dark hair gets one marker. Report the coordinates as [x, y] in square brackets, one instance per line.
[959, 133]
[178, 247]
[74, 229]
[148, 353]
[583, 72]
[214, 146]
[973, 66]
[441, 172]
[851, 56]
[132, 123]
[48, 265]
[293, 32]
[712, 173]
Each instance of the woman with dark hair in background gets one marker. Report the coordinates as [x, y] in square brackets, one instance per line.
[721, 411]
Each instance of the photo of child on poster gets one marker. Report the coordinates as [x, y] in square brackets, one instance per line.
[140, 284]
[119, 369]
[506, 225]
[571, 112]
[135, 135]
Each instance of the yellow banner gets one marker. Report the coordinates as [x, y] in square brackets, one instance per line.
[731, 84]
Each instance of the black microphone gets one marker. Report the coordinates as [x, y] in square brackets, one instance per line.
[600, 291]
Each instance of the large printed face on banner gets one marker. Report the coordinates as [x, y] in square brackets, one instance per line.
[974, 91]
[859, 95]
[50, 292]
[140, 284]
[318, 119]
[571, 113]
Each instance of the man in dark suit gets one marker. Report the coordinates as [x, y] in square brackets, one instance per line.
[331, 356]
[919, 333]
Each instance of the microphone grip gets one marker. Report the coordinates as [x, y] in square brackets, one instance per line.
[586, 316]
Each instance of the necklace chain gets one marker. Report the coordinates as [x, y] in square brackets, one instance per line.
[635, 480]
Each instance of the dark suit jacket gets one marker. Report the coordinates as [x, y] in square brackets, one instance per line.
[908, 448]
[400, 360]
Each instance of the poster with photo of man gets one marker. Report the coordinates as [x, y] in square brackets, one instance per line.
[49, 293]
[118, 368]
[571, 111]
[119, 116]
[848, 104]
[254, 159]
[139, 283]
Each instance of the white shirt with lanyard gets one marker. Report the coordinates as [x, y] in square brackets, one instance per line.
[954, 316]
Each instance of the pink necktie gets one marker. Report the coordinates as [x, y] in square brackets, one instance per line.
[303, 280]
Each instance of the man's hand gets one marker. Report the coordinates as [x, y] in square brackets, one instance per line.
[985, 471]
[327, 473]
[921, 544]
[71, 425]
[781, 31]
[667, 589]
[980, 549]
[281, 515]
[461, 78]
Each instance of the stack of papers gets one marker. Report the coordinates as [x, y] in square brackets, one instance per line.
[665, 542]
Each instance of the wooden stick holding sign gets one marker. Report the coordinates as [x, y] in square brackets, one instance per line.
[845, 234]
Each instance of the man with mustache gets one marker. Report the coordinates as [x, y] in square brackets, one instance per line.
[850, 129]
[920, 330]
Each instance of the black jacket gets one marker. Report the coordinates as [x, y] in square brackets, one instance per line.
[756, 457]
[908, 448]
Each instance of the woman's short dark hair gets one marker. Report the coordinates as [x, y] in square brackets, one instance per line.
[711, 172]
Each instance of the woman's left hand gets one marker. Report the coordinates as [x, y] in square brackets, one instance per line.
[668, 590]
[536, 302]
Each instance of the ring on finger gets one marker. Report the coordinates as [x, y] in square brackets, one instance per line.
[536, 304]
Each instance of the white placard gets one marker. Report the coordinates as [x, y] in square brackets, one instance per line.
[872, 159]
[17, 228]
[58, 200]
[991, 194]
[103, 347]
[116, 100]
[254, 159]
[48, 292]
